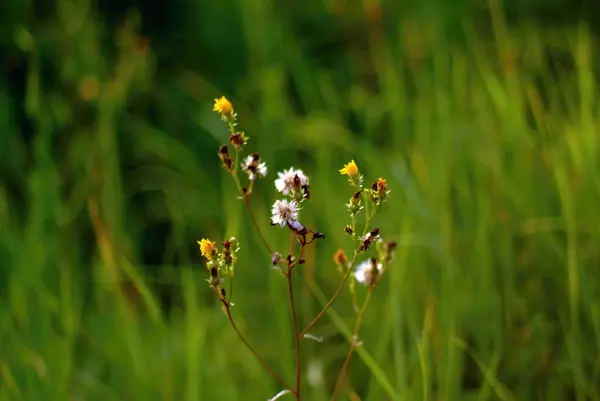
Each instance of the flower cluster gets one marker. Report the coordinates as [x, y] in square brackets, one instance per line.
[219, 262]
[286, 213]
[293, 188]
[367, 200]
[369, 272]
[252, 164]
[292, 183]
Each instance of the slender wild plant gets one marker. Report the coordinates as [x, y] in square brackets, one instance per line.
[293, 185]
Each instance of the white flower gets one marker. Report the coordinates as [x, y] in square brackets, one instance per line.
[261, 170]
[285, 183]
[284, 211]
[367, 272]
[253, 167]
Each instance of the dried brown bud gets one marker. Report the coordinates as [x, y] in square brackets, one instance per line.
[340, 258]
[368, 239]
[304, 234]
[238, 139]
[226, 158]
[306, 191]
[214, 279]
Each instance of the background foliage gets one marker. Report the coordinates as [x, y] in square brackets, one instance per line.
[483, 116]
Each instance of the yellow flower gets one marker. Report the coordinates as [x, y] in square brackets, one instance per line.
[208, 249]
[350, 169]
[223, 106]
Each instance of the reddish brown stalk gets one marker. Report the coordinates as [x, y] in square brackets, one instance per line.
[332, 299]
[353, 345]
[260, 234]
[297, 334]
[267, 367]
[298, 339]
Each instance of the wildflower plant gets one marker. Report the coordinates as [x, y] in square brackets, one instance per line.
[293, 188]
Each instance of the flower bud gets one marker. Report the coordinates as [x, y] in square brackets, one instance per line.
[226, 158]
[340, 258]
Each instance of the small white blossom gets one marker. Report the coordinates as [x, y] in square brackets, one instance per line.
[284, 211]
[261, 170]
[285, 183]
[367, 272]
[253, 167]
[370, 236]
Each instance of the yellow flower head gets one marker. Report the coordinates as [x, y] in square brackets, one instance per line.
[208, 249]
[350, 169]
[223, 106]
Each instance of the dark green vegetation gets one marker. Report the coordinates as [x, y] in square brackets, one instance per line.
[487, 132]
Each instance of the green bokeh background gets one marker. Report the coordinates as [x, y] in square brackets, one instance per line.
[483, 117]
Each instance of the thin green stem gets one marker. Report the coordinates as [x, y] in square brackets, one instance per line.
[353, 290]
[353, 345]
[333, 297]
[373, 212]
[234, 173]
[267, 367]
[246, 198]
[255, 223]
[230, 292]
[367, 216]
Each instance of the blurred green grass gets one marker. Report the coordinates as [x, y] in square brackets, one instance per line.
[110, 175]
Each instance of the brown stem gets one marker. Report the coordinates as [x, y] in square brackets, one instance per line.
[260, 234]
[268, 368]
[353, 345]
[368, 218]
[332, 299]
[246, 195]
[297, 336]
